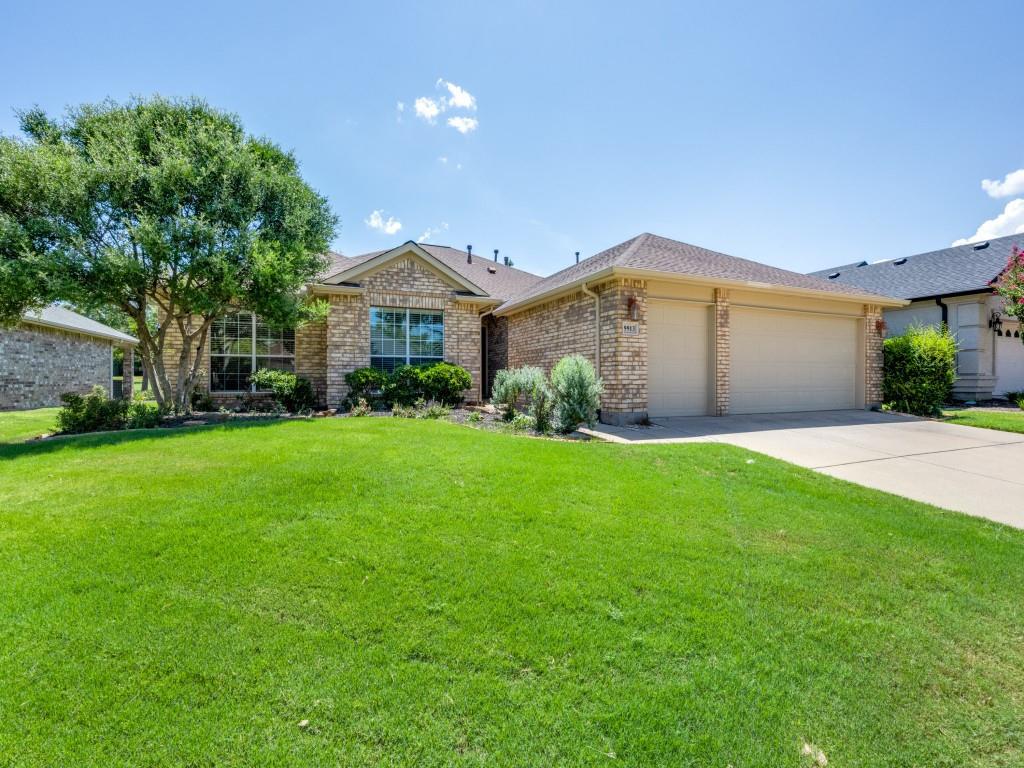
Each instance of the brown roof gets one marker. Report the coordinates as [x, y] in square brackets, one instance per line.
[503, 283]
[660, 254]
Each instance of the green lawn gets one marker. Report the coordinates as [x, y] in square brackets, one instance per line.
[18, 426]
[1008, 421]
[427, 594]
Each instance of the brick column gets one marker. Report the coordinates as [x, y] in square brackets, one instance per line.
[723, 352]
[873, 337]
[128, 373]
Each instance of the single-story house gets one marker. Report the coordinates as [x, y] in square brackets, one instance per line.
[673, 329]
[54, 350]
[953, 286]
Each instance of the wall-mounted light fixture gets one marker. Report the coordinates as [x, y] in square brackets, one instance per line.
[633, 307]
[881, 327]
[995, 322]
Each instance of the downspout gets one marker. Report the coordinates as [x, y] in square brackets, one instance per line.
[945, 311]
[597, 324]
[484, 354]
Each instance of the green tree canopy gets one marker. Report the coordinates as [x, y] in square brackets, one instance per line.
[157, 203]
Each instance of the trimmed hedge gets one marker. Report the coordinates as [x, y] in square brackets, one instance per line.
[441, 383]
[920, 368]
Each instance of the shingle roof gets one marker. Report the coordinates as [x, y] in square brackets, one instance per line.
[959, 269]
[660, 254]
[56, 316]
[503, 283]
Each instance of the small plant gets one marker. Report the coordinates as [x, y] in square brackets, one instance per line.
[201, 401]
[577, 393]
[435, 411]
[404, 385]
[539, 396]
[290, 392]
[143, 413]
[475, 417]
[919, 370]
[506, 391]
[521, 423]
[445, 382]
[1020, 403]
[365, 384]
[1013, 396]
[94, 412]
[360, 408]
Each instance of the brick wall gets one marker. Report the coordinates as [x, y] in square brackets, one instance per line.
[39, 364]
[722, 351]
[497, 349]
[543, 334]
[406, 283]
[873, 339]
[311, 357]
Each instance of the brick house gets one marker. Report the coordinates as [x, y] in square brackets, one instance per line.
[53, 351]
[673, 329]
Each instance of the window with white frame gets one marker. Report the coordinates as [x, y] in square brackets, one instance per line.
[240, 344]
[405, 336]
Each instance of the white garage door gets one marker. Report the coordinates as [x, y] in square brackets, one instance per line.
[784, 361]
[678, 359]
[1009, 364]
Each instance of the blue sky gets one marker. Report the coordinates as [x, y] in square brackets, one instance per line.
[799, 134]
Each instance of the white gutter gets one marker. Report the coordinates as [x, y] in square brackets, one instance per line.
[597, 325]
[118, 339]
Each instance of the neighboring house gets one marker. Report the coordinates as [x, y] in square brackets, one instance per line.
[954, 286]
[673, 329]
[53, 351]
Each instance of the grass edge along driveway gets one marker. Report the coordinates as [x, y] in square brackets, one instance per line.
[426, 594]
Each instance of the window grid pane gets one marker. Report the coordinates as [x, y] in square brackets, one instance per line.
[240, 344]
[405, 336]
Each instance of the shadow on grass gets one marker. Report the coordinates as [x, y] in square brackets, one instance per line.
[78, 442]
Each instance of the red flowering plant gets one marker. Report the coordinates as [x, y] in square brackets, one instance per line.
[1010, 285]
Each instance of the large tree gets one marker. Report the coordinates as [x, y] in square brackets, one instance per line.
[161, 204]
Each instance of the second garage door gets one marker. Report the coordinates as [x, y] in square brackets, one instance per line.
[678, 360]
[783, 361]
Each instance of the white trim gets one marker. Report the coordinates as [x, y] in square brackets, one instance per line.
[797, 311]
[406, 248]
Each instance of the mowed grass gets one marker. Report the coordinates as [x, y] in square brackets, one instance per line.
[425, 594]
[18, 426]
[1007, 421]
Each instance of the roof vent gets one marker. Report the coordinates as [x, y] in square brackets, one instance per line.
[899, 262]
[492, 270]
[495, 255]
[577, 257]
[469, 254]
[981, 246]
[833, 276]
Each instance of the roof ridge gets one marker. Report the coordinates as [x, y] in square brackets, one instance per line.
[638, 240]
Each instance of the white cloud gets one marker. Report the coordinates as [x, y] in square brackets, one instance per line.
[1013, 184]
[459, 98]
[400, 106]
[387, 226]
[463, 124]
[431, 231]
[442, 160]
[1009, 222]
[428, 109]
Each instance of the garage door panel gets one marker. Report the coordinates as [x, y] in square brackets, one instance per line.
[792, 362]
[1009, 364]
[678, 359]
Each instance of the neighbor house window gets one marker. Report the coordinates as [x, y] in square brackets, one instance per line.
[405, 336]
[241, 343]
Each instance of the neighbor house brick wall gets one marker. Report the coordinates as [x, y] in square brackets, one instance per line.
[723, 351]
[406, 283]
[39, 364]
[873, 338]
[128, 373]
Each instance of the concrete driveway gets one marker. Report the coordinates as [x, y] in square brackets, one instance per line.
[977, 471]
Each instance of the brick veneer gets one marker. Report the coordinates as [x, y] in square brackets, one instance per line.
[39, 364]
[311, 356]
[404, 283]
[497, 350]
[723, 351]
[873, 359]
[543, 334]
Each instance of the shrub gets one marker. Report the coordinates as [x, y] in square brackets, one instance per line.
[404, 385]
[506, 391]
[143, 413]
[360, 408]
[290, 392]
[521, 422]
[919, 370]
[577, 393]
[475, 417]
[201, 401]
[435, 411]
[365, 384]
[94, 412]
[445, 382]
[538, 396]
